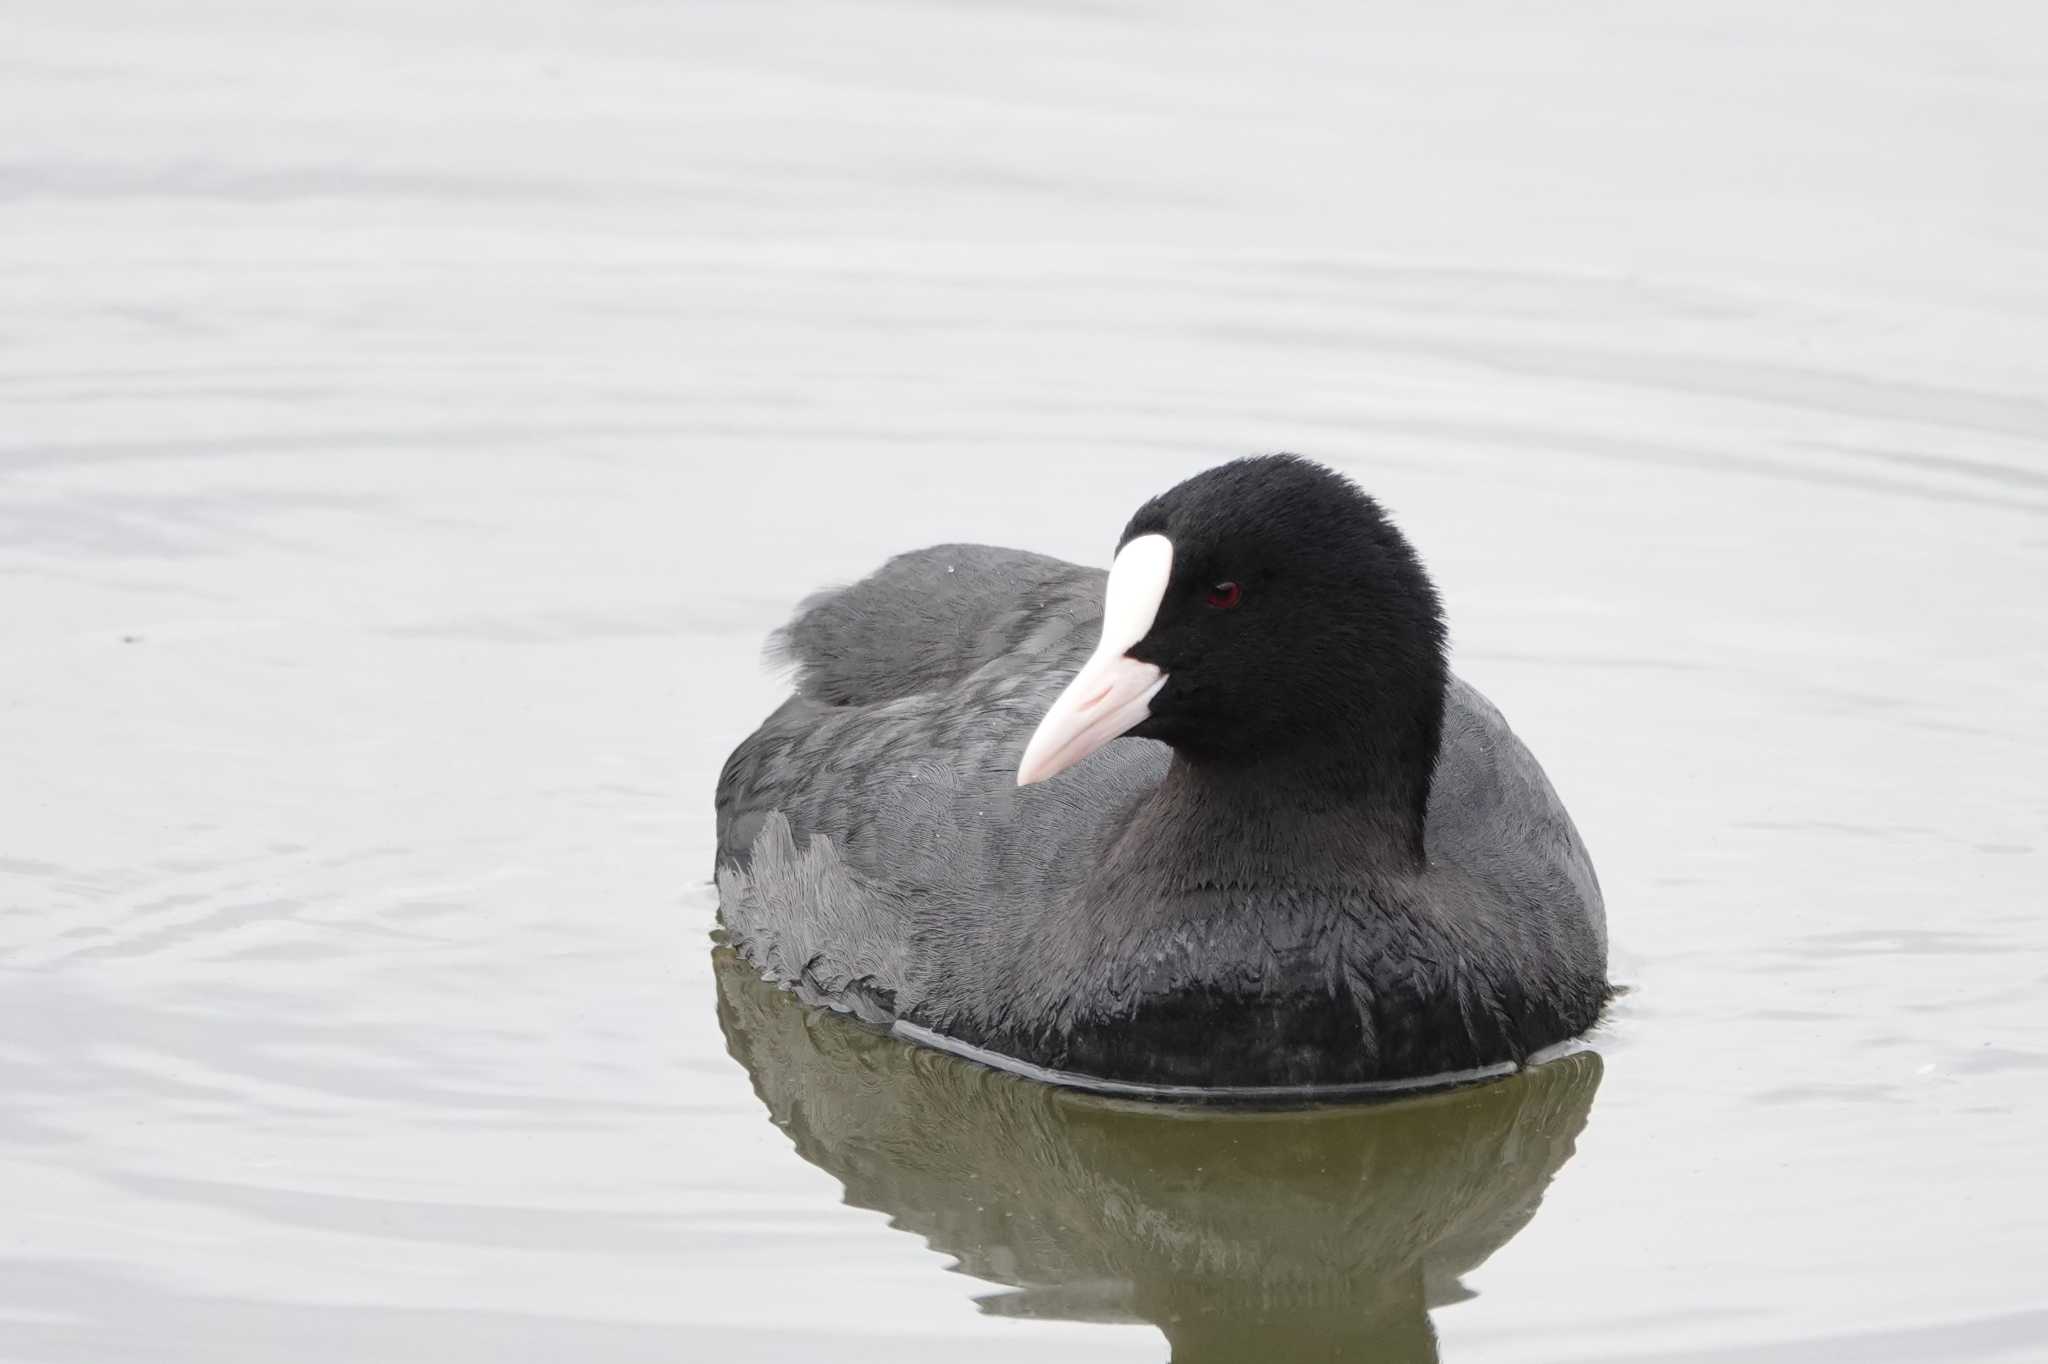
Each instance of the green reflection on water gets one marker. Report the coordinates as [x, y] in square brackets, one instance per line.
[1320, 1234]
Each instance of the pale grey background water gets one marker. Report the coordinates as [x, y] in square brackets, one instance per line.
[413, 416]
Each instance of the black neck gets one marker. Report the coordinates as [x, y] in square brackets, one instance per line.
[1356, 785]
[1277, 824]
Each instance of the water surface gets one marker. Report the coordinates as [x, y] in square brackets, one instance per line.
[414, 417]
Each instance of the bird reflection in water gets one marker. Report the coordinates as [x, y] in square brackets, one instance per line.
[1309, 1235]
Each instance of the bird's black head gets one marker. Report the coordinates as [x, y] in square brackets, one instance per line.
[1299, 639]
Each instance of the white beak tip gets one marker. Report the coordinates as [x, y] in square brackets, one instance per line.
[1118, 692]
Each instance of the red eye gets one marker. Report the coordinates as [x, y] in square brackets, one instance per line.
[1223, 596]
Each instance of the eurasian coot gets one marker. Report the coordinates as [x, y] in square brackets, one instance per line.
[1312, 859]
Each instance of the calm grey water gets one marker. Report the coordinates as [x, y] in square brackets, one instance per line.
[413, 416]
